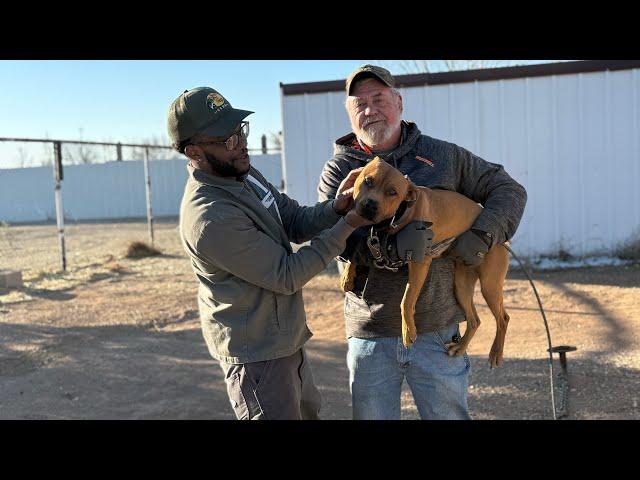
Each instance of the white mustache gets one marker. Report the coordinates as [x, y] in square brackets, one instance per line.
[370, 120]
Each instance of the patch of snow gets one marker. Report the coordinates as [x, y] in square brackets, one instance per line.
[544, 263]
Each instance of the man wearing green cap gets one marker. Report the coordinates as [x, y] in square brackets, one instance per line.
[236, 229]
[377, 359]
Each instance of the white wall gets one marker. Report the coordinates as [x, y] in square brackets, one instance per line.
[104, 191]
[571, 140]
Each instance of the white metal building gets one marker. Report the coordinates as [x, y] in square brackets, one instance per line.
[567, 131]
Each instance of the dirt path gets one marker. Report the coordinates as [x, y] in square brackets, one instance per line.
[119, 338]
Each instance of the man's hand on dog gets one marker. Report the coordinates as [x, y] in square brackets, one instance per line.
[343, 204]
[344, 197]
[471, 247]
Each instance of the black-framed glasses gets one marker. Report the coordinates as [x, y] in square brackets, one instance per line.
[232, 142]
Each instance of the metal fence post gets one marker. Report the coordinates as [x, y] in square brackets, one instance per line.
[264, 143]
[57, 171]
[148, 191]
[119, 150]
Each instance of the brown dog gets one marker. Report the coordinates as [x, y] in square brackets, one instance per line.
[378, 192]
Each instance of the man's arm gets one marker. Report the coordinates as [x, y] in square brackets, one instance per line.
[302, 223]
[330, 179]
[501, 196]
[233, 243]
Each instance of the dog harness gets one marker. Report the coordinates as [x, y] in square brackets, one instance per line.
[413, 244]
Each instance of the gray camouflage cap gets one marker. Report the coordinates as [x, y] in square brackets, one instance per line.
[380, 73]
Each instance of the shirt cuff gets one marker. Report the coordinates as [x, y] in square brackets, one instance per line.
[341, 231]
[330, 212]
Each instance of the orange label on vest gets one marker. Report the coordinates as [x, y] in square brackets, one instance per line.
[425, 160]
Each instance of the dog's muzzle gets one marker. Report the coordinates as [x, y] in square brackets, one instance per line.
[368, 209]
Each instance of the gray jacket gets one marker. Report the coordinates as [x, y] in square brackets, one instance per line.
[377, 313]
[250, 280]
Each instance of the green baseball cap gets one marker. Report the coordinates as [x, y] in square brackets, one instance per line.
[374, 71]
[202, 110]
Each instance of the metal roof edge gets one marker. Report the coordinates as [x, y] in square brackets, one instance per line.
[481, 75]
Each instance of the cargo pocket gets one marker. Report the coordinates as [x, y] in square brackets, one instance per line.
[245, 393]
[236, 397]
[310, 400]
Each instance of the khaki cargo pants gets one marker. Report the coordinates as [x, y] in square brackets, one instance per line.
[278, 389]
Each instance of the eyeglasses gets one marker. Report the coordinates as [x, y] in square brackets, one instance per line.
[232, 142]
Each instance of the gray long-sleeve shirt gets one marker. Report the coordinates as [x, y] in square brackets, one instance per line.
[377, 313]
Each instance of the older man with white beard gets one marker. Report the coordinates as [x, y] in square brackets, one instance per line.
[377, 359]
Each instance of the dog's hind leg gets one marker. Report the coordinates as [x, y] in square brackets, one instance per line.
[417, 274]
[493, 272]
[465, 281]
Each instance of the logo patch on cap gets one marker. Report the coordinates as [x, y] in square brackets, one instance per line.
[215, 100]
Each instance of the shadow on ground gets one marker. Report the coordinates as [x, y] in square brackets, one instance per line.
[109, 373]
[126, 372]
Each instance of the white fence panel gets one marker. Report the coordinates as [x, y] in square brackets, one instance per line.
[108, 190]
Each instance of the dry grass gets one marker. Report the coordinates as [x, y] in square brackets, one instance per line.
[141, 250]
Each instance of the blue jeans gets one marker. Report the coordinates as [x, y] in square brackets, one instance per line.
[378, 366]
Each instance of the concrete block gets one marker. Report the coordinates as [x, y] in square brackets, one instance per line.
[10, 279]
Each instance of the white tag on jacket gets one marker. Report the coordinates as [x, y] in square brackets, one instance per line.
[268, 199]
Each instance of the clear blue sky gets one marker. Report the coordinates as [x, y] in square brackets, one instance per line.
[127, 101]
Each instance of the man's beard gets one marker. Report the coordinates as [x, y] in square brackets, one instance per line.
[224, 169]
[379, 133]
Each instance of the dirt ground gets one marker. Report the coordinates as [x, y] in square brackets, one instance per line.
[114, 338]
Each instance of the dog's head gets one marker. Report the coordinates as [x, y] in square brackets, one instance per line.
[380, 189]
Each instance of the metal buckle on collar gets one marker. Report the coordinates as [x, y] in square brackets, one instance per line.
[380, 259]
[373, 242]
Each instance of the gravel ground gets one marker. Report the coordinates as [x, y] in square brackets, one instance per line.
[115, 338]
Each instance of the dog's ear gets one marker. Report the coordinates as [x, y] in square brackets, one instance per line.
[412, 192]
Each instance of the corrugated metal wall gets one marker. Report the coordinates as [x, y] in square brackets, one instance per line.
[104, 191]
[571, 140]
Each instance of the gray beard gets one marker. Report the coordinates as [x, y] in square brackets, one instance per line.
[377, 136]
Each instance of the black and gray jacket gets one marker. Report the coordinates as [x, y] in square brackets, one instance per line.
[377, 312]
